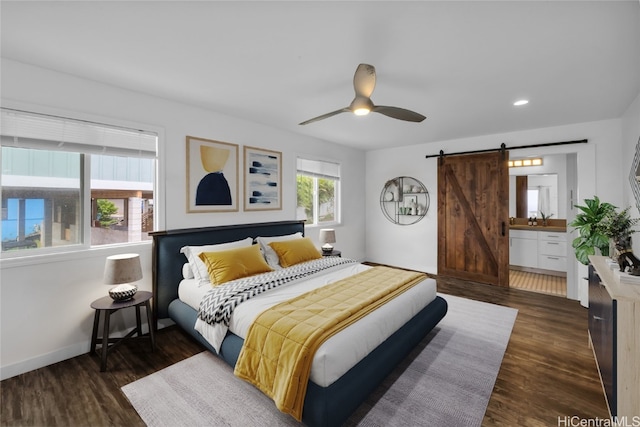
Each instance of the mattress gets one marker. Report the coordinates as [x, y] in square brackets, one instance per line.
[345, 349]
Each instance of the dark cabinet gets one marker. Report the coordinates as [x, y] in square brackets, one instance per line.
[603, 332]
[614, 332]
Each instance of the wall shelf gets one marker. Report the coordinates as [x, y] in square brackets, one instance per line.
[404, 200]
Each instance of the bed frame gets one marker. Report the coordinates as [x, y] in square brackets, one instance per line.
[323, 406]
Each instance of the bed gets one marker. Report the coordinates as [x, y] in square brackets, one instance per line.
[325, 404]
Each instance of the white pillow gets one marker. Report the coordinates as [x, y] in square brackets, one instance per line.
[269, 254]
[187, 271]
[198, 267]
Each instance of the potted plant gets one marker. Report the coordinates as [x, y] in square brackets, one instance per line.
[545, 218]
[593, 233]
[618, 226]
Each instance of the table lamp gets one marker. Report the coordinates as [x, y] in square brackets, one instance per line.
[122, 270]
[327, 237]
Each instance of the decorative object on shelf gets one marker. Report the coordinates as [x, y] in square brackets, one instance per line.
[626, 258]
[262, 179]
[392, 193]
[327, 237]
[545, 218]
[618, 226]
[122, 270]
[409, 202]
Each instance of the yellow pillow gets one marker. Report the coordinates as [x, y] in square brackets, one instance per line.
[232, 264]
[291, 252]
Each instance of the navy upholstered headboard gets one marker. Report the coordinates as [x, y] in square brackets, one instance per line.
[168, 261]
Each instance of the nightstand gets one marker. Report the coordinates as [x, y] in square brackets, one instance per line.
[109, 306]
[332, 253]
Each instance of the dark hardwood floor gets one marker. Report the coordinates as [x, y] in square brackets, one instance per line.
[548, 371]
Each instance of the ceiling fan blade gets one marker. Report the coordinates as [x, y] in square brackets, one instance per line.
[399, 113]
[325, 116]
[364, 80]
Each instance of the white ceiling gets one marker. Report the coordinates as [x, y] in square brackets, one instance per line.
[462, 64]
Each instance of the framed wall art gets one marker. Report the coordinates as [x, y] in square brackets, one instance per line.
[262, 179]
[212, 176]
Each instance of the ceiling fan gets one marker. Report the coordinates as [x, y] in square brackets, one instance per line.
[364, 81]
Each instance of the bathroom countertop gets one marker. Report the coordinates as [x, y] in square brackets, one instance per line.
[553, 228]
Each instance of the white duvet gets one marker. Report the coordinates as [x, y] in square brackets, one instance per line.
[340, 352]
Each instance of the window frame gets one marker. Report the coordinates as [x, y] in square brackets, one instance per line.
[84, 249]
[316, 205]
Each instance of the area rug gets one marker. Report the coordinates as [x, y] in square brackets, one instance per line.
[446, 380]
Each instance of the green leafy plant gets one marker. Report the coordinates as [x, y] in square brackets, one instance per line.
[106, 208]
[619, 225]
[545, 216]
[593, 233]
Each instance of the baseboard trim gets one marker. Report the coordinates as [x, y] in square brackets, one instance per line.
[43, 360]
[69, 352]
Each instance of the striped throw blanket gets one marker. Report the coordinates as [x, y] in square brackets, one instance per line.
[219, 302]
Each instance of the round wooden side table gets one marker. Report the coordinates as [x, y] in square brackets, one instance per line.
[110, 306]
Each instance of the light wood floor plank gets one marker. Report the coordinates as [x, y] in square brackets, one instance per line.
[542, 283]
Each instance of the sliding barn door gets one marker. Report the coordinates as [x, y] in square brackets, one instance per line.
[473, 215]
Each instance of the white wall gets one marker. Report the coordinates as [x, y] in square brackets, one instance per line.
[415, 246]
[45, 302]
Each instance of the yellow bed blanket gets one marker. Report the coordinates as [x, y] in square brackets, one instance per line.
[281, 343]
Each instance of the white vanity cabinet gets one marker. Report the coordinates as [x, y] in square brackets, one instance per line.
[539, 249]
[523, 248]
[552, 251]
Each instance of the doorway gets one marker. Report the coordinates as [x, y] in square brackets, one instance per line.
[538, 282]
[539, 265]
[581, 162]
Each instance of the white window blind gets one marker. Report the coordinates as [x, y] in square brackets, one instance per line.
[318, 168]
[30, 130]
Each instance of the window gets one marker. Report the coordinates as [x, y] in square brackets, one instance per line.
[318, 190]
[67, 182]
[532, 203]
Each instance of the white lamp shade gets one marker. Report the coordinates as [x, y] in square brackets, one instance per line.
[122, 268]
[327, 235]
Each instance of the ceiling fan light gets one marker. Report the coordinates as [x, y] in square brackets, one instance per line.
[361, 111]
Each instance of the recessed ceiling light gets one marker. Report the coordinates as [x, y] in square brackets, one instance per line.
[521, 102]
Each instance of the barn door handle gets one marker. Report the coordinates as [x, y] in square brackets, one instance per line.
[504, 228]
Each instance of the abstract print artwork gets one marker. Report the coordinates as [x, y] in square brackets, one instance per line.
[212, 175]
[262, 179]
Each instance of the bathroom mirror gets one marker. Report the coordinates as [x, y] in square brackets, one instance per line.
[635, 174]
[539, 193]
